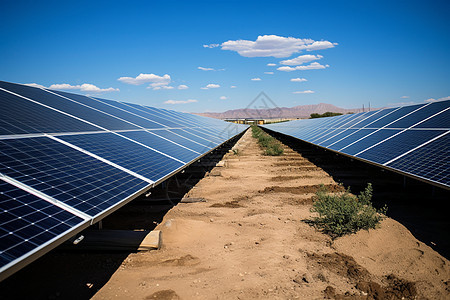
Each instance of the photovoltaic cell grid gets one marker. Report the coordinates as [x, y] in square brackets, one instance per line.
[412, 140]
[70, 176]
[68, 160]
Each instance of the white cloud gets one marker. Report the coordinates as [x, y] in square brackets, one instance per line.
[286, 69]
[320, 45]
[232, 87]
[311, 66]
[270, 73]
[298, 79]
[211, 46]
[300, 60]
[182, 87]
[205, 69]
[273, 45]
[35, 85]
[161, 87]
[209, 69]
[223, 98]
[437, 100]
[211, 86]
[85, 87]
[404, 97]
[304, 92]
[180, 101]
[154, 80]
[256, 79]
[271, 65]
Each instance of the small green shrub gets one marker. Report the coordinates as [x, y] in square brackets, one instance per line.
[270, 145]
[344, 213]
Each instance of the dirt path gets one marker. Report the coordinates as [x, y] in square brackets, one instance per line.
[248, 241]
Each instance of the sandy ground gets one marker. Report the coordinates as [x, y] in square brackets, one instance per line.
[248, 241]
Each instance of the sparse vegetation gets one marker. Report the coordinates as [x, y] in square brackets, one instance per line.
[236, 152]
[271, 146]
[344, 213]
[277, 121]
[324, 115]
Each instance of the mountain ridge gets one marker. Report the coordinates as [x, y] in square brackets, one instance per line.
[299, 111]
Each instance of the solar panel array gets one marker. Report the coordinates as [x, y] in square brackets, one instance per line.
[68, 160]
[412, 140]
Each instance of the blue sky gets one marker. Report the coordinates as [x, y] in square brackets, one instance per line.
[346, 53]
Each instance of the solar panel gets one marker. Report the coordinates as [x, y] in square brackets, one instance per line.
[163, 145]
[126, 153]
[412, 140]
[429, 161]
[67, 161]
[84, 113]
[28, 224]
[21, 116]
[68, 175]
[179, 139]
[398, 145]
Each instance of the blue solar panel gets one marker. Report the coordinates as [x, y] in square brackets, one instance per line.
[90, 155]
[399, 138]
[191, 119]
[65, 174]
[161, 115]
[419, 115]
[369, 140]
[398, 145]
[429, 162]
[126, 153]
[143, 116]
[395, 116]
[203, 141]
[207, 135]
[320, 127]
[163, 145]
[27, 222]
[108, 109]
[438, 121]
[68, 106]
[375, 115]
[338, 136]
[182, 140]
[351, 138]
[20, 116]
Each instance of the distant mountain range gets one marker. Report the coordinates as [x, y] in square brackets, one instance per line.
[300, 111]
